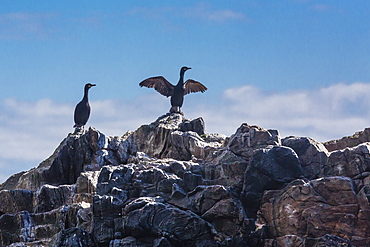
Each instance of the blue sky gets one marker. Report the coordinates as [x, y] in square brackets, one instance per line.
[299, 66]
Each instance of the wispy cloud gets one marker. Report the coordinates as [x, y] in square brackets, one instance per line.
[44, 25]
[20, 25]
[32, 130]
[205, 11]
[201, 11]
[325, 8]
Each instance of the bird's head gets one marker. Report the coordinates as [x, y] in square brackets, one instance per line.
[89, 85]
[183, 69]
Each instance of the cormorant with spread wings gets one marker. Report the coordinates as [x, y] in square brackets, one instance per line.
[164, 87]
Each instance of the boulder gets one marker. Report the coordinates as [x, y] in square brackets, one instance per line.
[148, 216]
[312, 154]
[271, 168]
[73, 237]
[350, 162]
[314, 208]
[217, 205]
[196, 125]
[247, 138]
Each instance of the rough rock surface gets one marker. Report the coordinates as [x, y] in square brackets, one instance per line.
[349, 141]
[169, 183]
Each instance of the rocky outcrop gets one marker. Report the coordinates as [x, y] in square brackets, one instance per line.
[310, 208]
[170, 183]
[349, 141]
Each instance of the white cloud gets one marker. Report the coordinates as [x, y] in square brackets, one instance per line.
[323, 114]
[30, 131]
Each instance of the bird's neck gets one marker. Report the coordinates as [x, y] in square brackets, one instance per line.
[181, 80]
[86, 94]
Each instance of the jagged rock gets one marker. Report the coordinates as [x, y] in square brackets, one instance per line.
[349, 141]
[11, 182]
[10, 226]
[13, 201]
[226, 168]
[218, 206]
[328, 240]
[270, 168]
[196, 125]
[75, 154]
[350, 162]
[147, 216]
[171, 184]
[312, 154]
[247, 138]
[50, 197]
[87, 182]
[166, 138]
[313, 208]
[73, 237]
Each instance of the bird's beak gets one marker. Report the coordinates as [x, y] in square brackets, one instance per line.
[188, 68]
[93, 85]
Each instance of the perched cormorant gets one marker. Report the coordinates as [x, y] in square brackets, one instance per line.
[164, 87]
[82, 110]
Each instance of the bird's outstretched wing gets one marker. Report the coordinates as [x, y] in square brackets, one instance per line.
[160, 84]
[192, 86]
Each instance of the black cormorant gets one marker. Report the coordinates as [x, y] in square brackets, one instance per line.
[82, 110]
[177, 92]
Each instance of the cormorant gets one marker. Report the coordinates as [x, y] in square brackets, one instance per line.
[82, 110]
[164, 87]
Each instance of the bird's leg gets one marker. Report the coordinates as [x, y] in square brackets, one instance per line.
[79, 130]
[175, 109]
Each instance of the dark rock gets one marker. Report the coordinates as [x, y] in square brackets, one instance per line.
[312, 155]
[350, 162]
[11, 182]
[161, 242]
[271, 168]
[125, 242]
[226, 168]
[73, 237]
[147, 216]
[195, 125]
[327, 240]
[75, 154]
[51, 197]
[9, 229]
[13, 201]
